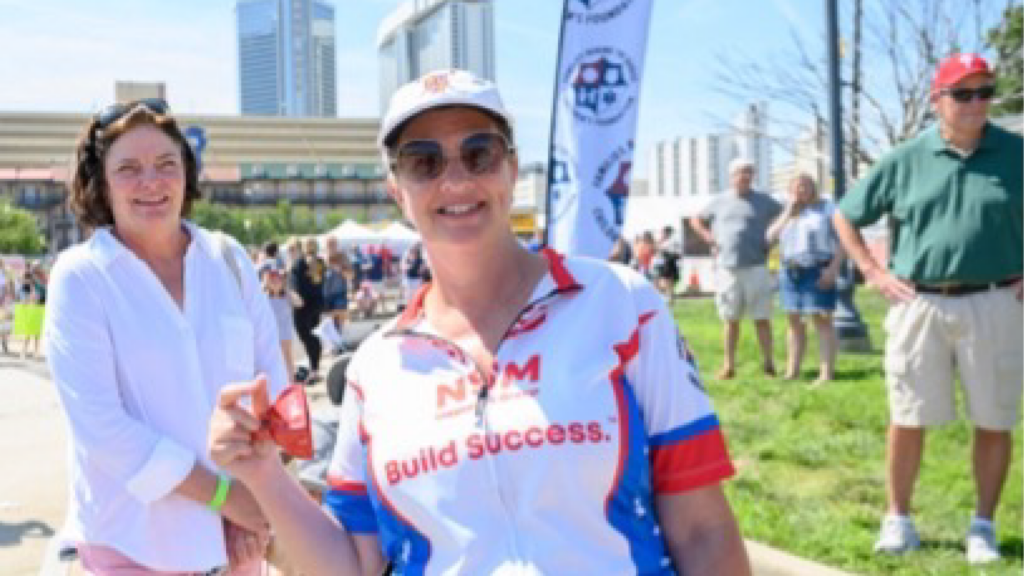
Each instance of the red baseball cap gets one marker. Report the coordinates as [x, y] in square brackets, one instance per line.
[957, 67]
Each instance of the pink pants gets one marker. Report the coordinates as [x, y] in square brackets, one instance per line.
[105, 561]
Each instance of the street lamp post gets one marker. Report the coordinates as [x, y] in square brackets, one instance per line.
[853, 334]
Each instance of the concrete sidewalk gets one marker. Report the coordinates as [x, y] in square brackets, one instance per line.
[33, 492]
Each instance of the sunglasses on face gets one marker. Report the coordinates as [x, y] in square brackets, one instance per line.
[424, 160]
[114, 112]
[965, 95]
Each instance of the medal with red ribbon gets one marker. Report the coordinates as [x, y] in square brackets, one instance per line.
[287, 422]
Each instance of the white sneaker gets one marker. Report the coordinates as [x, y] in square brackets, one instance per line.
[897, 536]
[981, 545]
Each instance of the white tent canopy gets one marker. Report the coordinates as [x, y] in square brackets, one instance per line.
[351, 233]
[398, 237]
[655, 212]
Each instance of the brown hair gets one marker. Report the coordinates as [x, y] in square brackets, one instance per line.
[810, 180]
[88, 198]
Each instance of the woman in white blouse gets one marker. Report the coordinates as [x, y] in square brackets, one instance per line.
[811, 257]
[147, 320]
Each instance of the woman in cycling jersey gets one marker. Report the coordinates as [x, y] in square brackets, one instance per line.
[527, 413]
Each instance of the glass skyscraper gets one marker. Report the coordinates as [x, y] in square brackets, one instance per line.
[421, 36]
[286, 58]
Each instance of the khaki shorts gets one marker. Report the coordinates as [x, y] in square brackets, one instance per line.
[743, 290]
[978, 336]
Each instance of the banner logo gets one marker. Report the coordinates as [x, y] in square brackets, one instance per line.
[602, 82]
[612, 177]
[596, 11]
[562, 184]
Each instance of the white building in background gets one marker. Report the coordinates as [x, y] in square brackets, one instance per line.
[699, 165]
[286, 58]
[421, 36]
[690, 166]
[811, 156]
[750, 140]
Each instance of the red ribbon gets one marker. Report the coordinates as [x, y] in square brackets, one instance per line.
[287, 423]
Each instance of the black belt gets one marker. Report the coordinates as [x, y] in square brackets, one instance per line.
[964, 289]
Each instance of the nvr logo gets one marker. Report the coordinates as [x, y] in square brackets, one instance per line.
[507, 377]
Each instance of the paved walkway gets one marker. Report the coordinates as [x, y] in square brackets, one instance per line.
[33, 494]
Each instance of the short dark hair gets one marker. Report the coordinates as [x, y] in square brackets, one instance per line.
[270, 249]
[88, 198]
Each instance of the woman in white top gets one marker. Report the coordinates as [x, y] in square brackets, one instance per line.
[811, 257]
[147, 320]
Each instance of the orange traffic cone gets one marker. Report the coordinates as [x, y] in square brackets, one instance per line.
[693, 283]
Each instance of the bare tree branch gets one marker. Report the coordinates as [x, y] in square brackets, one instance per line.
[900, 42]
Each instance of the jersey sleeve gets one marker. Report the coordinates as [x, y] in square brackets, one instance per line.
[687, 448]
[347, 495]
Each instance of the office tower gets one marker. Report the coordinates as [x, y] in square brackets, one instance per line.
[425, 35]
[751, 141]
[690, 166]
[286, 58]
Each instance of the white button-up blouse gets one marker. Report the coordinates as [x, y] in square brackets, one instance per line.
[138, 378]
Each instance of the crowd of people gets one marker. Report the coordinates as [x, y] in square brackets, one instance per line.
[740, 226]
[474, 439]
[22, 307]
[316, 287]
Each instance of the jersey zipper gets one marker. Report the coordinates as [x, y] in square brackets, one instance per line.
[480, 410]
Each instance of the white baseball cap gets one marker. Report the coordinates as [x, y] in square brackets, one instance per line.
[437, 89]
[740, 163]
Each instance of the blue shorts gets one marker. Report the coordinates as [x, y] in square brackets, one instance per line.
[799, 292]
[336, 302]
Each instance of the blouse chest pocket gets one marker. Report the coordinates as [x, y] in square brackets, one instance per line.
[237, 336]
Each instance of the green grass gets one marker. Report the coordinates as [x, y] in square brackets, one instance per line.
[810, 461]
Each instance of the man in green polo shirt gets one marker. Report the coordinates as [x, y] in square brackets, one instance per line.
[955, 195]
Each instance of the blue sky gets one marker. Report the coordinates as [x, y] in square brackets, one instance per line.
[64, 55]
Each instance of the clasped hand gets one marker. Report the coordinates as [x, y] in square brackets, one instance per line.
[237, 441]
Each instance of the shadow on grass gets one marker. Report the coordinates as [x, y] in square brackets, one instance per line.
[842, 376]
[857, 375]
[1010, 548]
[947, 545]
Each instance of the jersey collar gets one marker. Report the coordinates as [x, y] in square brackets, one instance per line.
[558, 274]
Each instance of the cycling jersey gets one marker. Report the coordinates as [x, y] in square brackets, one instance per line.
[545, 463]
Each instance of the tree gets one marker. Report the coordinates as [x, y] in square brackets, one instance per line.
[253, 227]
[19, 233]
[1005, 40]
[901, 42]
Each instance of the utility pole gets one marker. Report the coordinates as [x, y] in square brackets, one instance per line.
[855, 89]
[853, 334]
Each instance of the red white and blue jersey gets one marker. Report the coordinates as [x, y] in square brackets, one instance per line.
[546, 464]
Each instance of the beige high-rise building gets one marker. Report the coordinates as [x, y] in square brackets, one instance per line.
[131, 91]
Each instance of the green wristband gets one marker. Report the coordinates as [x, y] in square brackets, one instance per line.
[221, 494]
